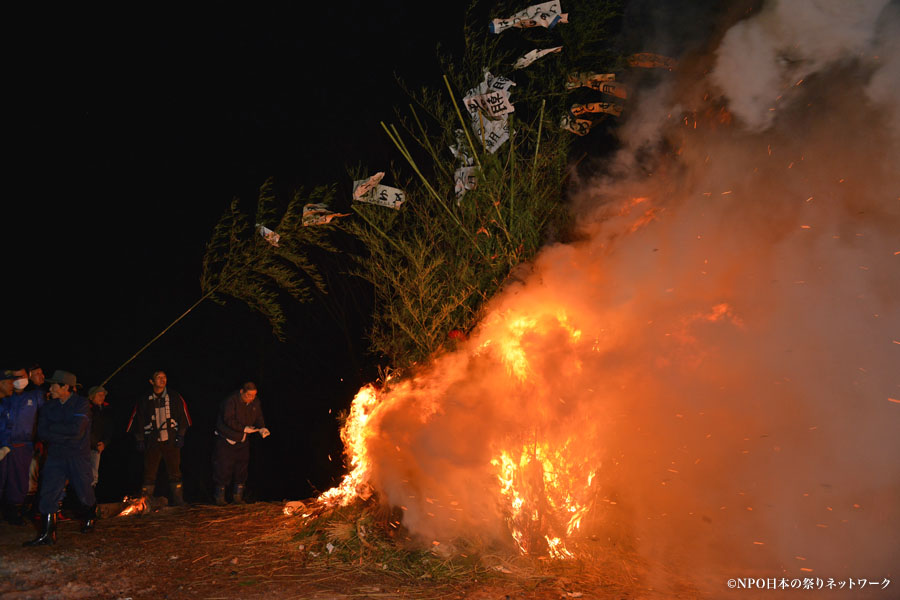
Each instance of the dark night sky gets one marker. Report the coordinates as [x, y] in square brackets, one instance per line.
[131, 134]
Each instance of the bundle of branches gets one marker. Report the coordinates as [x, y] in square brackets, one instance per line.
[264, 262]
[434, 262]
[364, 534]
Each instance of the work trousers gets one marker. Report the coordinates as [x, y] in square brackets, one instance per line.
[166, 451]
[95, 467]
[230, 460]
[74, 468]
[14, 473]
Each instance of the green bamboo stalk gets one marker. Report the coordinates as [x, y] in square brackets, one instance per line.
[537, 145]
[395, 137]
[431, 149]
[465, 126]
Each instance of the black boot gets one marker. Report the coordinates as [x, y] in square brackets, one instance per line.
[48, 536]
[219, 495]
[90, 519]
[177, 495]
[147, 490]
[238, 494]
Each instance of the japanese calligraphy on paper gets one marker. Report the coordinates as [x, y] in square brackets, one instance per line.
[371, 192]
[546, 14]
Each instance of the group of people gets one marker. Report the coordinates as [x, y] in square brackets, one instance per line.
[51, 436]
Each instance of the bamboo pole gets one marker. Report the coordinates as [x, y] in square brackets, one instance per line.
[161, 333]
[395, 137]
[463, 122]
[537, 145]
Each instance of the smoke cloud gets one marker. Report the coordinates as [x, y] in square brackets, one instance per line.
[712, 368]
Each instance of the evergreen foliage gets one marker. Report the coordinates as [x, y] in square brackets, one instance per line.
[434, 263]
[241, 263]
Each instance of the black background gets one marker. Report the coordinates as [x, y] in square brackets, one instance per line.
[130, 134]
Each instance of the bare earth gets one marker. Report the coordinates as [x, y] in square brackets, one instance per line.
[253, 552]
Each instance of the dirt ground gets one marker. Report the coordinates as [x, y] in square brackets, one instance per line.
[252, 552]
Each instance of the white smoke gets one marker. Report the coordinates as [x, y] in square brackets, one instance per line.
[762, 58]
[735, 375]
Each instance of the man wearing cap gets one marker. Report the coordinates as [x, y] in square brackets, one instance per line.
[240, 415]
[159, 423]
[101, 428]
[36, 379]
[65, 425]
[20, 414]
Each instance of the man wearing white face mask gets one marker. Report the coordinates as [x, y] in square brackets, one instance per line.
[20, 411]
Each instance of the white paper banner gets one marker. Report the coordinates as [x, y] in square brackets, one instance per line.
[460, 151]
[318, 214]
[492, 105]
[489, 117]
[576, 126]
[269, 235]
[364, 186]
[382, 195]
[547, 14]
[464, 179]
[596, 107]
[532, 56]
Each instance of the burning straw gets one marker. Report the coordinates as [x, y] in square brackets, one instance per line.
[704, 376]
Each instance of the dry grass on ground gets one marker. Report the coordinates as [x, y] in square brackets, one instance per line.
[256, 551]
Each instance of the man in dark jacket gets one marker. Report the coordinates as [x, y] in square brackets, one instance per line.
[159, 423]
[240, 415]
[18, 414]
[101, 428]
[65, 426]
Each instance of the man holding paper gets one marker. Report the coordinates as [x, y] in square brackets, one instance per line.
[240, 416]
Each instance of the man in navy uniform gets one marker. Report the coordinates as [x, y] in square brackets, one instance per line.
[65, 426]
[159, 423]
[19, 415]
[240, 415]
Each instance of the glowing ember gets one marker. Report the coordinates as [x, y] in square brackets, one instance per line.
[136, 506]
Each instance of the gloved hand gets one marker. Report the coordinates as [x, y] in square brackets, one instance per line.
[264, 433]
[4, 451]
[179, 441]
[139, 444]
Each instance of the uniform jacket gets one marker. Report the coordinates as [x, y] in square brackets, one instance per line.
[19, 415]
[66, 427]
[235, 414]
[163, 418]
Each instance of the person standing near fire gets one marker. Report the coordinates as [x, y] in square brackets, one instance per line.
[65, 425]
[159, 423]
[20, 417]
[101, 428]
[240, 415]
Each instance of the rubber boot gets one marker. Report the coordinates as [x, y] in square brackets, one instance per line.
[48, 535]
[147, 490]
[177, 495]
[238, 497]
[219, 495]
[90, 519]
